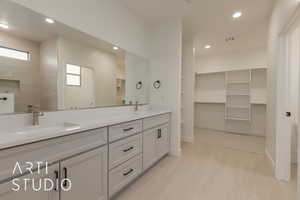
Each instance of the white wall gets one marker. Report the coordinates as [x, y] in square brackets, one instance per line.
[188, 84]
[137, 69]
[104, 19]
[48, 69]
[281, 13]
[165, 65]
[241, 59]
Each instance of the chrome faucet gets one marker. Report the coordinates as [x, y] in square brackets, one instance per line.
[136, 106]
[36, 113]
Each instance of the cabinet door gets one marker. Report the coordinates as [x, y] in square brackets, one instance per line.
[162, 141]
[149, 148]
[26, 192]
[88, 175]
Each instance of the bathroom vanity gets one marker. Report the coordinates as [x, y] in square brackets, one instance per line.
[73, 111]
[99, 157]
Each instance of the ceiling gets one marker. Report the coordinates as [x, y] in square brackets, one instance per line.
[210, 21]
[30, 25]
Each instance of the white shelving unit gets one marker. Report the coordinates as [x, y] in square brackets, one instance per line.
[211, 87]
[233, 100]
[238, 104]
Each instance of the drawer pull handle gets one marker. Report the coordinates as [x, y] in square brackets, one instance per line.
[127, 129]
[158, 133]
[3, 98]
[65, 184]
[127, 173]
[56, 180]
[126, 150]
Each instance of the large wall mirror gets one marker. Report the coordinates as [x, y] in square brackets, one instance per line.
[48, 64]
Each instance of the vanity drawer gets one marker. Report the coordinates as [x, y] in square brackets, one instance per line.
[123, 150]
[124, 130]
[155, 121]
[124, 174]
[51, 150]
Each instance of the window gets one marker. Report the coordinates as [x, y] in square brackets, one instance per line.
[16, 54]
[73, 75]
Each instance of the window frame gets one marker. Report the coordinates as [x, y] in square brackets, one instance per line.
[72, 74]
[17, 50]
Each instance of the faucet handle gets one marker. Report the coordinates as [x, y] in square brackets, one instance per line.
[33, 108]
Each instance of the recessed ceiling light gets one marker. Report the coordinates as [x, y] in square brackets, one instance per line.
[50, 21]
[116, 48]
[207, 46]
[4, 25]
[237, 15]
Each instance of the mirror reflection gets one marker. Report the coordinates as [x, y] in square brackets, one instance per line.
[49, 65]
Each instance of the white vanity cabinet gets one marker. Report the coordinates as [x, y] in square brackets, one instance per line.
[125, 154]
[131, 155]
[81, 158]
[27, 192]
[155, 145]
[98, 162]
[88, 175]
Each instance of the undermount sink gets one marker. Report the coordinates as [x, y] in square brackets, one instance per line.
[33, 130]
[35, 133]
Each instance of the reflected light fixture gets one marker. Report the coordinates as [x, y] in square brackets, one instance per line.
[50, 21]
[237, 15]
[207, 46]
[4, 25]
[116, 48]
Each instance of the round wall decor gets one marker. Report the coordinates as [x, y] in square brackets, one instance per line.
[139, 85]
[157, 84]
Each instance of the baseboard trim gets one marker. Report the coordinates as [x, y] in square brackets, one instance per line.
[188, 139]
[232, 132]
[270, 158]
[175, 152]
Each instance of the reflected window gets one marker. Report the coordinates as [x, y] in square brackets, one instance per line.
[73, 75]
[15, 54]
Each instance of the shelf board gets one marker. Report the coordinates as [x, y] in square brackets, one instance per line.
[210, 102]
[259, 103]
[238, 119]
[221, 102]
[237, 94]
[237, 82]
[238, 107]
[232, 70]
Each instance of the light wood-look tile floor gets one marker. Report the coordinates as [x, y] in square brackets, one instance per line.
[218, 166]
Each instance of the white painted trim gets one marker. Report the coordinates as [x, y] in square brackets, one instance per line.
[292, 23]
[230, 70]
[188, 139]
[270, 158]
[232, 132]
[283, 143]
[176, 152]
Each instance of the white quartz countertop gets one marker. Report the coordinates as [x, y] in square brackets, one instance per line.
[13, 138]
